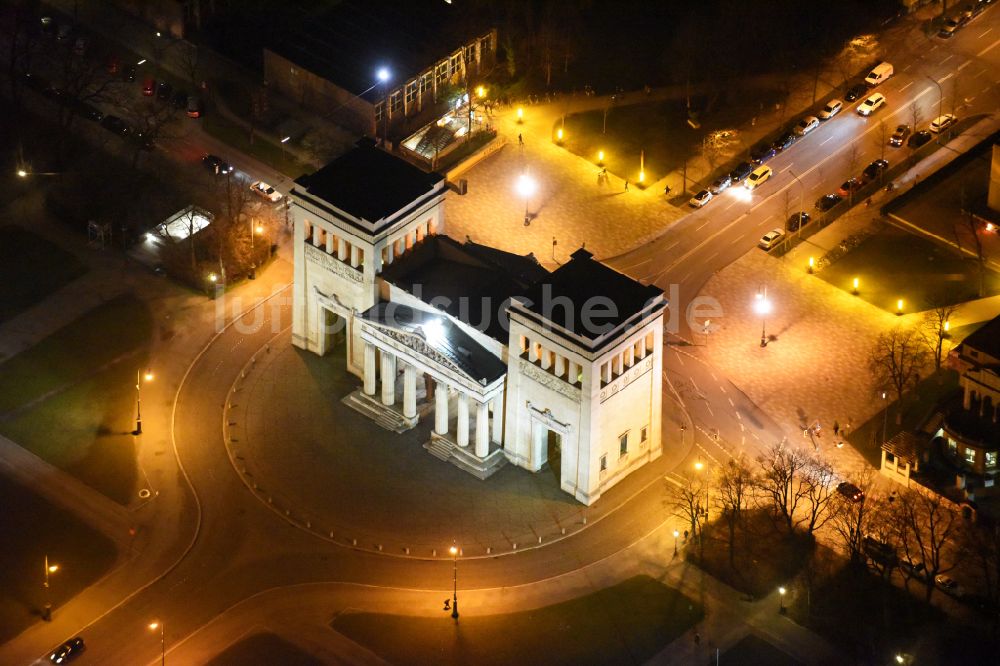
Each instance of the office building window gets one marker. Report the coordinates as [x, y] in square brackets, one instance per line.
[604, 462]
[970, 456]
[991, 458]
[644, 434]
[411, 92]
[623, 445]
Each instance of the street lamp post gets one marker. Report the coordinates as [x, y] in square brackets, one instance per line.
[454, 597]
[383, 77]
[676, 535]
[798, 230]
[139, 378]
[47, 609]
[284, 140]
[940, 102]
[153, 626]
[885, 413]
[763, 307]
[526, 187]
[781, 600]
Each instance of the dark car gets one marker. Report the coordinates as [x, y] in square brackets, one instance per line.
[851, 491]
[848, 186]
[143, 141]
[215, 164]
[721, 184]
[915, 569]
[828, 201]
[115, 124]
[90, 113]
[128, 73]
[784, 141]
[180, 99]
[71, 649]
[740, 173]
[163, 91]
[797, 220]
[919, 138]
[148, 87]
[879, 551]
[762, 153]
[856, 92]
[899, 136]
[193, 107]
[873, 170]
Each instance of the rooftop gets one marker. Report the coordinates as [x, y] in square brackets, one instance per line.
[985, 339]
[369, 183]
[587, 298]
[468, 281]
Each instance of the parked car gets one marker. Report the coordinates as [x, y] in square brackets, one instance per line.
[946, 583]
[762, 153]
[180, 99]
[831, 109]
[721, 184]
[700, 199]
[941, 123]
[784, 141]
[148, 87]
[193, 107]
[949, 27]
[163, 91]
[879, 551]
[855, 92]
[874, 102]
[880, 74]
[798, 220]
[740, 173]
[851, 491]
[828, 201]
[128, 74]
[770, 239]
[873, 170]
[806, 125]
[918, 139]
[215, 164]
[64, 31]
[899, 136]
[915, 569]
[48, 25]
[143, 141]
[115, 124]
[71, 649]
[90, 113]
[265, 191]
[848, 186]
[758, 177]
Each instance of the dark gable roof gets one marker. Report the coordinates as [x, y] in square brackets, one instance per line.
[584, 282]
[468, 281]
[369, 183]
[986, 339]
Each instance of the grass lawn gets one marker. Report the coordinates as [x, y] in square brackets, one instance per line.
[765, 556]
[754, 651]
[30, 269]
[658, 128]
[894, 264]
[627, 623]
[70, 399]
[267, 152]
[264, 649]
[32, 529]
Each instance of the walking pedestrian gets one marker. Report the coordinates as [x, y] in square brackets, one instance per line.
[626, 184]
[697, 638]
[836, 428]
[520, 140]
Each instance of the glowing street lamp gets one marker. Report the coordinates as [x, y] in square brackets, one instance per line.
[153, 626]
[526, 187]
[763, 307]
[454, 597]
[49, 569]
[855, 286]
[899, 307]
[600, 158]
[559, 135]
[139, 378]
[22, 173]
[676, 535]
[812, 264]
[213, 278]
[781, 600]
[520, 115]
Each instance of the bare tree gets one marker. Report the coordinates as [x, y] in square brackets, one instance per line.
[982, 545]
[778, 484]
[934, 328]
[734, 483]
[927, 526]
[852, 521]
[896, 359]
[687, 500]
[152, 121]
[968, 228]
[914, 115]
[818, 482]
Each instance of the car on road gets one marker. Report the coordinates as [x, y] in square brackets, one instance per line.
[193, 107]
[771, 238]
[265, 191]
[873, 170]
[115, 124]
[855, 92]
[915, 569]
[128, 73]
[784, 141]
[215, 164]
[851, 491]
[759, 176]
[700, 199]
[946, 583]
[180, 99]
[163, 91]
[831, 109]
[828, 201]
[848, 186]
[941, 123]
[90, 113]
[899, 136]
[806, 125]
[148, 87]
[798, 220]
[48, 25]
[71, 649]
[874, 102]
[740, 173]
[721, 184]
[949, 27]
[918, 139]
[879, 551]
[762, 153]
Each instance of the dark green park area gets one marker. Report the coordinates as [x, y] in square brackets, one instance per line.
[264, 649]
[30, 529]
[70, 399]
[628, 623]
[31, 268]
[893, 264]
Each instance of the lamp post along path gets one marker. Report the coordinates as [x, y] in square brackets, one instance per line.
[454, 597]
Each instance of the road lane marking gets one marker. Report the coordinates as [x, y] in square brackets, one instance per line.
[731, 403]
[679, 357]
[906, 86]
[964, 65]
[984, 33]
[948, 58]
[825, 140]
[988, 48]
[907, 67]
[985, 90]
[785, 169]
[946, 78]
[729, 206]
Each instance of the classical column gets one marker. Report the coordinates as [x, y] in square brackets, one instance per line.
[573, 371]
[400, 246]
[388, 379]
[629, 356]
[369, 369]
[409, 391]
[317, 233]
[389, 253]
[532, 351]
[463, 419]
[441, 409]
[482, 430]
[355, 255]
[341, 248]
[329, 242]
[498, 419]
[560, 365]
[642, 347]
[546, 359]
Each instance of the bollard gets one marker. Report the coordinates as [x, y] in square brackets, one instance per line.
[515, 546]
[407, 550]
[488, 550]
[539, 539]
[354, 542]
[434, 552]
[331, 534]
[564, 531]
[380, 548]
[269, 501]
[309, 525]
[585, 520]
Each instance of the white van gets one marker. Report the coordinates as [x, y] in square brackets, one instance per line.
[879, 74]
